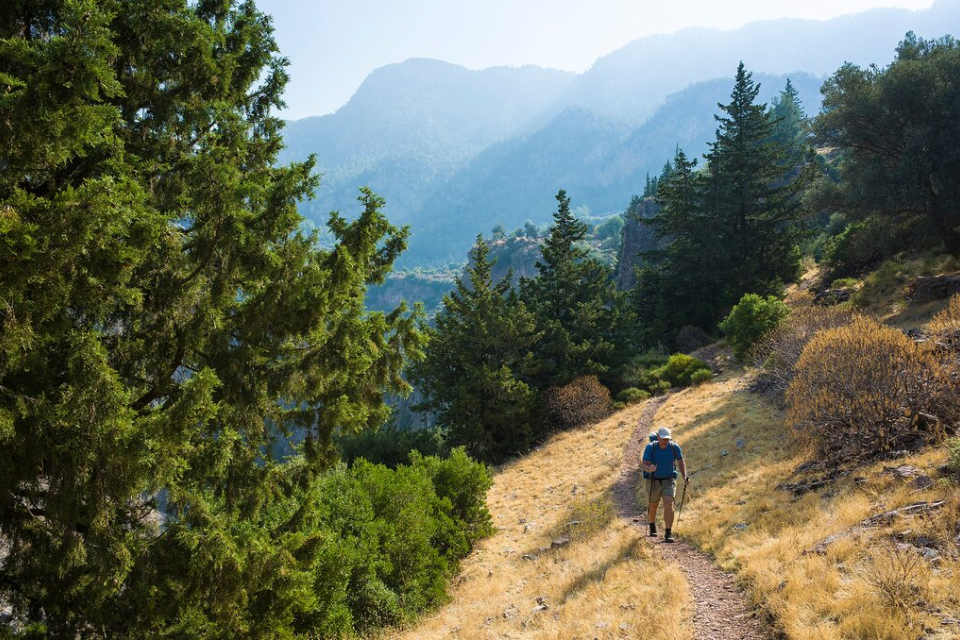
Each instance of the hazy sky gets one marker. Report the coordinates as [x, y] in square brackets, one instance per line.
[334, 44]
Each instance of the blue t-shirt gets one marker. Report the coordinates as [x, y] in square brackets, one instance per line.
[665, 459]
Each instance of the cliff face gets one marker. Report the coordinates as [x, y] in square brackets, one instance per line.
[635, 238]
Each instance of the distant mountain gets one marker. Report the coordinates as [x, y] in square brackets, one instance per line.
[412, 125]
[456, 151]
[600, 164]
[631, 83]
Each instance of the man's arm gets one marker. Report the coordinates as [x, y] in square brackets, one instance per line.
[683, 469]
[646, 460]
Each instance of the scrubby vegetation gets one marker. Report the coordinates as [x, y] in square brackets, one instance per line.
[864, 389]
[779, 351]
[391, 444]
[582, 401]
[945, 326]
[690, 338]
[390, 539]
[750, 320]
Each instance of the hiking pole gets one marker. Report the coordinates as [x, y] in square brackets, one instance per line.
[682, 498]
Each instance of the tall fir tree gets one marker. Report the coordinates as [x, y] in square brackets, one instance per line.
[733, 228]
[752, 198]
[791, 129]
[478, 363]
[691, 265]
[576, 304]
[164, 321]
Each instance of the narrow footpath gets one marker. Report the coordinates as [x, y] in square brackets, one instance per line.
[721, 611]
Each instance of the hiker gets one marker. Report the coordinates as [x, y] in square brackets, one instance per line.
[660, 460]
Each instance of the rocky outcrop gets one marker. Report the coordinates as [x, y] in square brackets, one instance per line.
[636, 237]
[925, 289]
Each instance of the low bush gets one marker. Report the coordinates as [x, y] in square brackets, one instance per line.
[679, 369]
[864, 388]
[580, 402]
[632, 395]
[945, 326]
[701, 376]
[953, 458]
[752, 318]
[387, 541]
[777, 353]
[888, 284]
[690, 338]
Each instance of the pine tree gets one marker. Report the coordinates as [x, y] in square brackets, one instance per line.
[691, 266]
[165, 321]
[478, 363]
[753, 201]
[576, 305]
[733, 228]
[791, 130]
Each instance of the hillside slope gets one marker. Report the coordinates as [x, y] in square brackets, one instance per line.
[821, 563]
[515, 585]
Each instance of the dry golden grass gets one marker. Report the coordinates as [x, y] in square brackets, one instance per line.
[604, 584]
[811, 595]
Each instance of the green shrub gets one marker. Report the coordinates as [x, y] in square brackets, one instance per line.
[632, 395]
[953, 458]
[701, 376]
[464, 483]
[679, 369]
[844, 283]
[750, 320]
[650, 359]
[386, 541]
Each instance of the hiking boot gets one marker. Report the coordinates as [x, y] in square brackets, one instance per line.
[653, 529]
[668, 536]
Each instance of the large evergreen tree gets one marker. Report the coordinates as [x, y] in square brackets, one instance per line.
[576, 304]
[478, 364]
[752, 199]
[164, 320]
[897, 132]
[733, 228]
[791, 130]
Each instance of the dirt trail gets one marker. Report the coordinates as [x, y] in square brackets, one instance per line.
[721, 611]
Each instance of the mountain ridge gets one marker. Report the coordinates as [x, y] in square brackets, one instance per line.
[448, 147]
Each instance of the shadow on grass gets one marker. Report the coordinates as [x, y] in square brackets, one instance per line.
[586, 519]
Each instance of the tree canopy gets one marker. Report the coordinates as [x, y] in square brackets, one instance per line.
[165, 320]
[896, 130]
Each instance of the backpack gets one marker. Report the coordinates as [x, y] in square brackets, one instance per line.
[647, 475]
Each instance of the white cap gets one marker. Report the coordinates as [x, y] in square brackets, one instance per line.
[663, 433]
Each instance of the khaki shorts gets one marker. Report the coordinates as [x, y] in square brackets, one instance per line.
[662, 488]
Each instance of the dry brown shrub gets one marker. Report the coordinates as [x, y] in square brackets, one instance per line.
[864, 388]
[945, 326]
[778, 352]
[581, 402]
[900, 577]
[691, 338]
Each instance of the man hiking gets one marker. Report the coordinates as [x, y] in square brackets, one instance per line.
[659, 460]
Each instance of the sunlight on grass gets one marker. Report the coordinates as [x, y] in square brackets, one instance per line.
[603, 583]
[771, 537]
